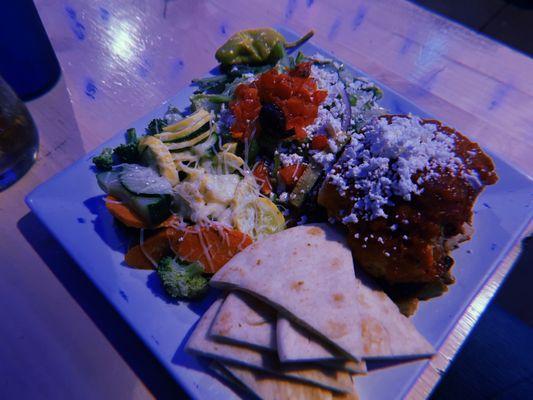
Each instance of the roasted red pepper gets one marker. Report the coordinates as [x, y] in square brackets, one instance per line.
[263, 177]
[319, 142]
[291, 173]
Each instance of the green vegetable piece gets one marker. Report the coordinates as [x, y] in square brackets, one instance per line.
[300, 57]
[104, 161]
[131, 136]
[156, 126]
[256, 47]
[129, 152]
[180, 280]
[253, 151]
[378, 93]
[277, 164]
[208, 101]
[214, 84]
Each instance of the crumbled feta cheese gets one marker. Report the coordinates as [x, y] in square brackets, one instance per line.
[381, 162]
[324, 159]
[284, 197]
[290, 159]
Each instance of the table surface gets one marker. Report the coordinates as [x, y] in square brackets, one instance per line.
[120, 59]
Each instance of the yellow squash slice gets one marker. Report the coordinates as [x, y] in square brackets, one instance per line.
[159, 152]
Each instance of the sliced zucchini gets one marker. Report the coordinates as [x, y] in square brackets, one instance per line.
[151, 209]
[109, 181]
[190, 143]
[183, 123]
[192, 126]
[143, 180]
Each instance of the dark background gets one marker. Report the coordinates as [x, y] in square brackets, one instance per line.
[496, 361]
[507, 21]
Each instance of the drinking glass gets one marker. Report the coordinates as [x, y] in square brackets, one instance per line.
[19, 141]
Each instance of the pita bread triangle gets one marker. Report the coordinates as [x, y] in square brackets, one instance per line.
[270, 387]
[307, 273]
[386, 332]
[297, 345]
[243, 319]
[200, 343]
[246, 321]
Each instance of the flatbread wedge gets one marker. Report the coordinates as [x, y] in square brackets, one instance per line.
[269, 387]
[200, 343]
[386, 333]
[306, 272]
[295, 344]
[317, 288]
[246, 321]
[243, 319]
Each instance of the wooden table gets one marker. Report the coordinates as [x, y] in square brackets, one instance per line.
[120, 59]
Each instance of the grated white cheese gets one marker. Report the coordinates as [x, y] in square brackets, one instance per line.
[380, 163]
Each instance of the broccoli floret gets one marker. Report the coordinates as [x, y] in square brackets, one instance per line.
[182, 281]
[128, 153]
[104, 162]
[156, 126]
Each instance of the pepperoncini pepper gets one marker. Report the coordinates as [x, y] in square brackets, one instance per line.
[256, 47]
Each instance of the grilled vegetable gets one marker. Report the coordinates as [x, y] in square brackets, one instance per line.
[104, 161]
[128, 152]
[151, 209]
[256, 47]
[304, 185]
[155, 153]
[181, 280]
[212, 245]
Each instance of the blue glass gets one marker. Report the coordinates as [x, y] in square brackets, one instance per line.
[27, 61]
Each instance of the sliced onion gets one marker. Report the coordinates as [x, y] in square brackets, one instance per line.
[347, 108]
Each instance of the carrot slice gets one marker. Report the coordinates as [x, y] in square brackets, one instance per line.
[212, 245]
[156, 246]
[121, 212]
